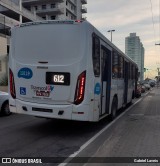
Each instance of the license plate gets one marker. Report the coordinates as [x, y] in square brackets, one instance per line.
[58, 78]
[42, 93]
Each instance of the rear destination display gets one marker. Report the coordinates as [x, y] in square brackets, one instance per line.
[57, 78]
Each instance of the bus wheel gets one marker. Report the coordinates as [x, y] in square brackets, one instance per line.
[5, 108]
[114, 109]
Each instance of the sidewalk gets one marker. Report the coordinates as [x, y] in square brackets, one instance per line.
[136, 134]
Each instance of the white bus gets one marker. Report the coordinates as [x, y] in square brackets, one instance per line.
[68, 70]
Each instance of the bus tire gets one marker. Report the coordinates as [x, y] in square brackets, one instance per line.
[5, 108]
[114, 109]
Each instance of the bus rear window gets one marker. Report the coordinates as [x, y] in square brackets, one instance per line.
[58, 44]
[96, 55]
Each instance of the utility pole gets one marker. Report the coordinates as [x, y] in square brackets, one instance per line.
[20, 7]
[111, 33]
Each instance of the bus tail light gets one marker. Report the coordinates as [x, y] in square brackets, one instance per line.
[12, 84]
[80, 88]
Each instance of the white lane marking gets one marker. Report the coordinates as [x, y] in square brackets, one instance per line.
[98, 134]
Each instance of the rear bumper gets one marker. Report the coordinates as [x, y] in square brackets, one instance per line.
[70, 112]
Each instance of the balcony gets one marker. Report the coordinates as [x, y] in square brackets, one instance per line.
[84, 2]
[56, 10]
[36, 2]
[84, 9]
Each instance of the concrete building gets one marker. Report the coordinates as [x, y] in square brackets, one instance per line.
[3, 69]
[3, 45]
[57, 9]
[14, 11]
[3, 58]
[11, 13]
[135, 50]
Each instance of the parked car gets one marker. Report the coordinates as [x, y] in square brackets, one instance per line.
[147, 86]
[138, 92]
[143, 89]
[152, 83]
[4, 103]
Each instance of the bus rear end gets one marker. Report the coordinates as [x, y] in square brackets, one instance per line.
[48, 70]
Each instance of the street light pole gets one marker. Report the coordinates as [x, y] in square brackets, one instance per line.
[111, 33]
[20, 7]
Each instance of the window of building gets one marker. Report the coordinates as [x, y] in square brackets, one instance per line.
[115, 65]
[43, 6]
[53, 17]
[96, 56]
[66, 3]
[44, 17]
[36, 7]
[66, 13]
[53, 5]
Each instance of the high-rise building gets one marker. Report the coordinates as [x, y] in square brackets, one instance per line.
[135, 50]
[57, 9]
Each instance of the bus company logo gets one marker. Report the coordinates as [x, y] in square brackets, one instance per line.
[47, 88]
[97, 89]
[25, 73]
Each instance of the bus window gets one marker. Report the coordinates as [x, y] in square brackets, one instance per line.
[132, 72]
[120, 67]
[115, 65]
[128, 70]
[96, 56]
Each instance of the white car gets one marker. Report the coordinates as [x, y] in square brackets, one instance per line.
[4, 103]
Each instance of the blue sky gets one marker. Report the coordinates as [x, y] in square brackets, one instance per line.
[128, 16]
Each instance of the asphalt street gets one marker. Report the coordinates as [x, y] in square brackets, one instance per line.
[136, 134]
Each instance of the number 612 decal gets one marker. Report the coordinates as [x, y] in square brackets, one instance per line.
[58, 78]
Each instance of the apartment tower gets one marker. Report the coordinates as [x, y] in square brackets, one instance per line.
[135, 50]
